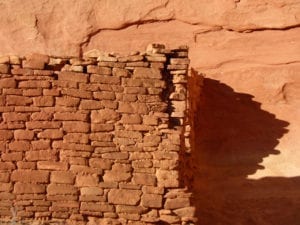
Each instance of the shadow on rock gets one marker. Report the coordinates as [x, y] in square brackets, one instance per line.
[232, 134]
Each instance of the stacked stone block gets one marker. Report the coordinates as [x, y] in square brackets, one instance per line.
[96, 139]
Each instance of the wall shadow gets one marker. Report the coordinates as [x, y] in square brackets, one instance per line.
[232, 135]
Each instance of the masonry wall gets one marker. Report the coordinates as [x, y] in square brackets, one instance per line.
[95, 139]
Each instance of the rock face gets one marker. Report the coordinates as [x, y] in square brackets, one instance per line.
[247, 126]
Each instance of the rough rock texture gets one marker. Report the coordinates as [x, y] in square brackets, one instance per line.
[251, 46]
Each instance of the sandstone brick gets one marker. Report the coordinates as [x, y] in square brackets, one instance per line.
[67, 101]
[32, 92]
[130, 209]
[77, 93]
[36, 61]
[152, 200]
[115, 155]
[180, 61]
[6, 196]
[41, 116]
[140, 155]
[91, 191]
[4, 177]
[104, 164]
[120, 72]
[116, 176]
[40, 144]
[5, 187]
[150, 120]
[73, 76]
[33, 176]
[132, 58]
[135, 90]
[104, 95]
[176, 203]
[43, 124]
[124, 197]
[132, 65]
[141, 72]
[131, 119]
[72, 146]
[65, 116]
[51, 134]
[101, 137]
[169, 219]
[13, 156]
[43, 101]
[4, 60]
[4, 68]
[23, 135]
[76, 126]
[41, 155]
[130, 107]
[156, 58]
[104, 116]
[87, 180]
[167, 178]
[51, 92]
[96, 207]
[90, 104]
[144, 179]
[185, 212]
[86, 170]
[61, 189]
[62, 177]
[8, 83]
[6, 135]
[26, 165]
[103, 79]
[80, 138]
[95, 127]
[49, 165]
[16, 100]
[126, 97]
[34, 84]
[99, 70]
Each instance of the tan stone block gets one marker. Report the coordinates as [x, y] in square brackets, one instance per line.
[49, 165]
[124, 197]
[40, 144]
[23, 135]
[51, 134]
[104, 95]
[77, 93]
[116, 176]
[62, 177]
[76, 138]
[13, 156]
[36, 61]
[43, 101]
[67, 101]
[43, 124]
[144, 179]
[16, 100]
[33, 176]
[4, 68]
[152, 200]
[103, 79]
[120, 72]
[131, 119]
[166, 178]
[6, 135]
[131, 107]
[61, 189]
[90, 104]
[34, 84]
[87, 180]
[95, 127]
[177, 203]
[104, 116]
[32, 92]
[185, 212]
[115, 155]
[73, 116]
[76, 126]
[141, 72]
[96, 207]
[104, 164]
[41, 116]
[26, 165]
[41, 155]
[28, 188]
[91, 191]
[73, 76]
[8, 83]
[4, 176]
[5, 187]
[99, 70]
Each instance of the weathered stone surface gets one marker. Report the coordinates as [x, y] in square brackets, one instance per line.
[124, 197]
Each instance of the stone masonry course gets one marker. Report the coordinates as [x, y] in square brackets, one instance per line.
[95, 140]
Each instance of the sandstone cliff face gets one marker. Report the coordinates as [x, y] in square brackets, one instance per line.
[249, 51]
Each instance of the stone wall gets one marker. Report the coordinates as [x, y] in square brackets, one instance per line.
[95, 139]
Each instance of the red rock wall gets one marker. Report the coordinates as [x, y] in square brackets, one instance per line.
[95, 140]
